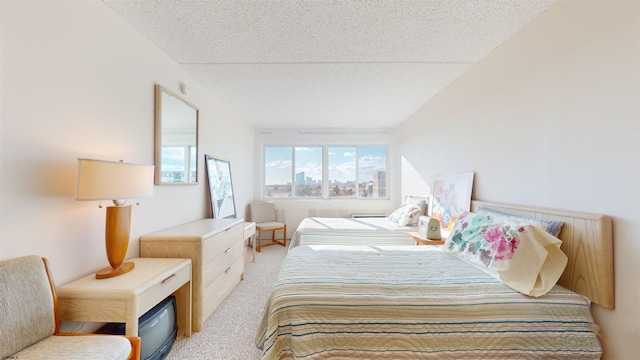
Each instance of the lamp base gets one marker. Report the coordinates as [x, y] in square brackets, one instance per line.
[109, 271]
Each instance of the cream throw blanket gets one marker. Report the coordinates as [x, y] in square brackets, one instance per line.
[522, 256]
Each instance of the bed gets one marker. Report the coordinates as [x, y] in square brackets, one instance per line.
[407, 302]
[377, 231]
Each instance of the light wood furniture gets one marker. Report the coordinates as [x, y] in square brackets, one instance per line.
[126, 297]
[264, 215]
[215, 247]
[587, 240]
[422, 241]
[250, 236]
[30, 321]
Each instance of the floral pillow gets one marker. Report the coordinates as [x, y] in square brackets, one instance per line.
[553, 227]
[422, 203]
[404, 214]
[522, 256]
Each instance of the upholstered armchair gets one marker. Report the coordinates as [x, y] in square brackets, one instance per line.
[29, 322]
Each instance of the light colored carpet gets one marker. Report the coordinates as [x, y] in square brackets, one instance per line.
[230, 331]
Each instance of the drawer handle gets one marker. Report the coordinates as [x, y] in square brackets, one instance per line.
[228, 269]
[169, 278]
[227, 229]
[228, 249]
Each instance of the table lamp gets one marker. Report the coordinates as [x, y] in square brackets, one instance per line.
[116, 181]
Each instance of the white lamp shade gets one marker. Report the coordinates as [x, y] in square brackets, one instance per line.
[112, 180]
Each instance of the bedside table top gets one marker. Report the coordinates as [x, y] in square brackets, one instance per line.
[126, 297]
[146, 271]
[422, 241]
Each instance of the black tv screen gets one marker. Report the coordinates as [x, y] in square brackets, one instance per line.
[157, 330]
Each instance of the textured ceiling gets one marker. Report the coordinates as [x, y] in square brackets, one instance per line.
[327, 64]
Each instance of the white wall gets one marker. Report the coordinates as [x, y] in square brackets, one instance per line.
[551, 118]
[78, 82]
[293, 210]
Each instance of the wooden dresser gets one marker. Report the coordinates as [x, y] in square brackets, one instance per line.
[215, 247]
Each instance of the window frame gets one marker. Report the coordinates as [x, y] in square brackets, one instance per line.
[325, 172]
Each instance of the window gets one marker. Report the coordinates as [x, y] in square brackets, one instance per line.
[351, 172]
[372, 171]
[342, 172]
[308, 164]
[277, 171]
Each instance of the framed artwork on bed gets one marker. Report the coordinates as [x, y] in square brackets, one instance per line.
[451, 196]
[220, 187]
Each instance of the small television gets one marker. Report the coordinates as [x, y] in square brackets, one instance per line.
[157, 330]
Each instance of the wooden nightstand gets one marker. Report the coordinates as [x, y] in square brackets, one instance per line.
[126, 297]
[422, 241]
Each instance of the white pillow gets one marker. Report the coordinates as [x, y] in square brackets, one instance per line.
[422, 203]
[404, 214]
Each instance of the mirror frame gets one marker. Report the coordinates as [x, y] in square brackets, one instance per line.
[159, 92]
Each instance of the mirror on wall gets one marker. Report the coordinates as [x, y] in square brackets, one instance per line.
[176, 139]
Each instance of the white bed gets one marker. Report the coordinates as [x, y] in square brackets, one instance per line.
[360, 231]
[366, 302]
[375, 231]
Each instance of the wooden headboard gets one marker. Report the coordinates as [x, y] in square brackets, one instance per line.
[587, 240]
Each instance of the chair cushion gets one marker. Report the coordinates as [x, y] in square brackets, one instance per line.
[26, 304]
[94, 347]
[269, 225]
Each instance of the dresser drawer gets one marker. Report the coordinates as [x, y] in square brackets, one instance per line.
[222, 286]
[163, 287]
[219, 243]
[219, 265]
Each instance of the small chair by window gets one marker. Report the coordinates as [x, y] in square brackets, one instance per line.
[264, 215]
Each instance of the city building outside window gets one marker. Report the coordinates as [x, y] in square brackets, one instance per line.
[351, 172]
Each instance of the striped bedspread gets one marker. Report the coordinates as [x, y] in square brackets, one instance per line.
[350, 231]
[414, 302]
